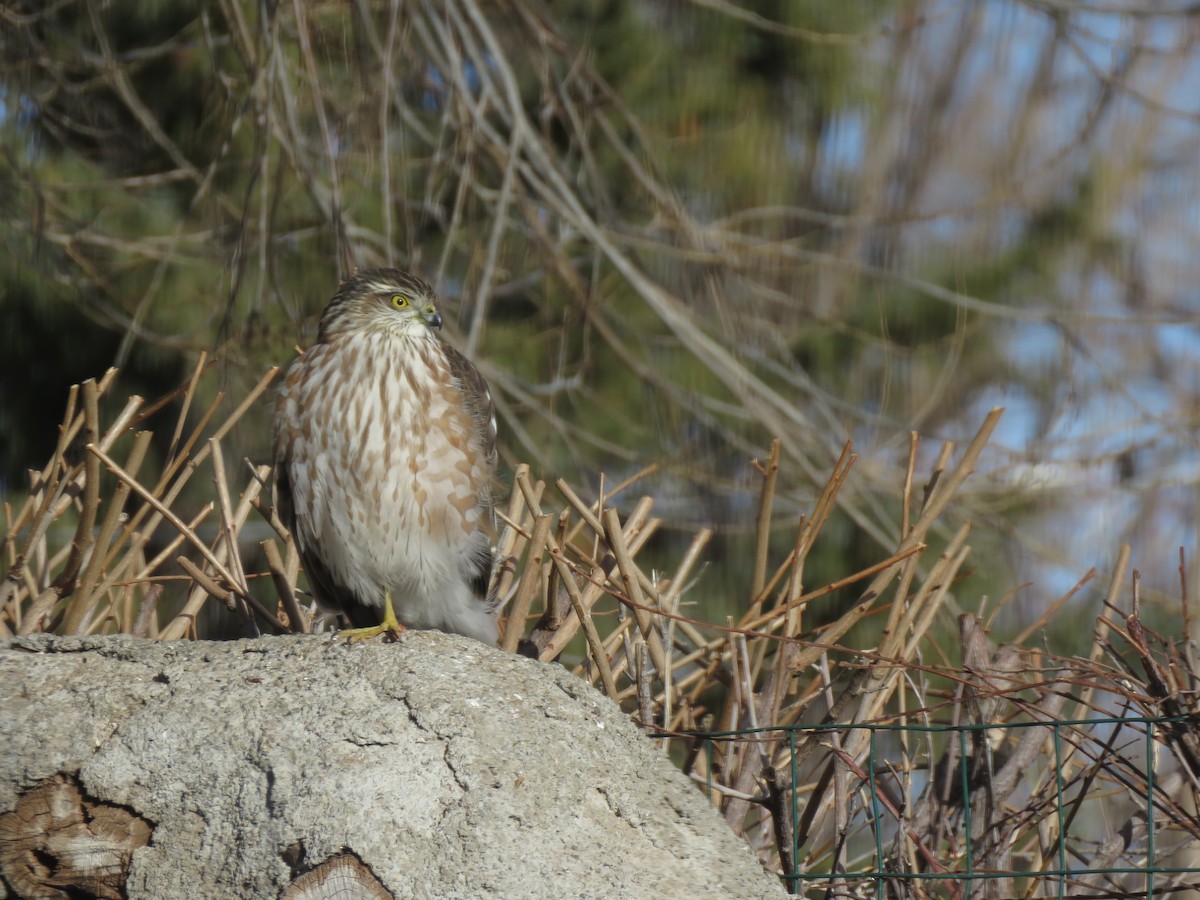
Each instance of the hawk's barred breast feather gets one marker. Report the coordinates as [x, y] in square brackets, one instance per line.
[385, 455]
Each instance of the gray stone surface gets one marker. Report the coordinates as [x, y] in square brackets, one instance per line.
[450, 768]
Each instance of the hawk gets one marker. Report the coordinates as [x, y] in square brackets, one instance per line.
[385, 464]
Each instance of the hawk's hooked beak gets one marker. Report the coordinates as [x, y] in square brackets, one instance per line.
[431, 316]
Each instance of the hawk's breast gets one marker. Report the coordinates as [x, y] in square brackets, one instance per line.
[389, 475]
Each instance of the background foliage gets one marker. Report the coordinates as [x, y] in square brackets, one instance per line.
[669, 231]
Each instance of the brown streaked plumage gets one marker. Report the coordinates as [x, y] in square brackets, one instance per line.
[385, 462]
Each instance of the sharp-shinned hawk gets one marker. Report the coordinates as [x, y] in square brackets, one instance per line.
[385, 462]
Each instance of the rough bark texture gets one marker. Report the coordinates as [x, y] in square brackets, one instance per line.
[448, 768]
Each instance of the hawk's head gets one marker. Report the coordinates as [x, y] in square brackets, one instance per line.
[382, 300]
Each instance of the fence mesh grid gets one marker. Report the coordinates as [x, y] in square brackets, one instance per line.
[876, 839]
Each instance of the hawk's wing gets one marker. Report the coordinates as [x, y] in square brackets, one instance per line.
[477, 399]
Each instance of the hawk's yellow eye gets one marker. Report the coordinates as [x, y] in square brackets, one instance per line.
[399, 301]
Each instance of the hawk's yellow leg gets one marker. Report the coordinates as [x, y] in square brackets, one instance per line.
[389, 626]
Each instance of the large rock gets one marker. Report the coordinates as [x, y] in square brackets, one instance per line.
[444, 767]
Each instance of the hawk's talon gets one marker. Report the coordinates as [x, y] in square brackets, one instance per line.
[390, 627]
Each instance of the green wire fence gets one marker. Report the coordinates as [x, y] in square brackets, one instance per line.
[1085, 817]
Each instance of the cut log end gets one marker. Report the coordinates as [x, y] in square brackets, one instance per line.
[341, 877]
[59, 843]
